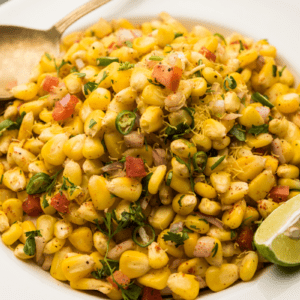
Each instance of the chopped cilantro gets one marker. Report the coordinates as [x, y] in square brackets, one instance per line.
[255, 130]
[92, 123]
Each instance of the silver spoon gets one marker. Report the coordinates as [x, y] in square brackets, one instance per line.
[21, 48]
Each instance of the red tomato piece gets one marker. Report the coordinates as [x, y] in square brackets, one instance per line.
[49, 83]
[280, 193]
[32, 206]
[167, 76]
[64, 108]
[60, 203]
[208, 54]
[245, 238]
[135, 167]
[120, 278]
[151, 294]
[151, 63]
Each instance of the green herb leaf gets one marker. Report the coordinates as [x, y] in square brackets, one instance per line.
[80, 75]
[132, 292]
[241, 46]
[168, 45]
[239, 132]
[232, 234]
[105, 61]
[129, 44]
[259, 129]
[221, 37]
[38, 183]
[258, 97]
[145, 183]
[281, 71]
[156, 58]
[169, 178]
[125, 66]
[155, 83]
[45, 202]
[92, 123]
[218, 162]
[48, 56]
[231, 83]
[274, 70]
[73, 70]
[180, 200]
[177, 238]
[29, 247]
[215, 249]
[177, 34]
[1, 179]
[68, 185]
[60, 66]
[89, 86]
[105, 271]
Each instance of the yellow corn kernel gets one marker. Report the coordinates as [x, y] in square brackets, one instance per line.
[99, 99]
[145, 153]
[293, 194]
[77, 267]
[275, 91]
[134, 264]
[184, 204]
[14, 179]
[115, 144]
[205, 190]
[220, 181]
[26, 226]
[202, 142]
[180, 169]
[109, 70]
[73, 172]
[236, 191]
[197, 224]
[209, 207]
[54, 245]
[96, 256]
[196, 266]
[199, 86]
[219, 279]
[296, 158]
[22, 158]
[74, 125]
[221, 144]
[144, 44]
[88, 212]
[190, 243]
[251, 166]
[251, 215]
[25, 131]
[34, 146]
[157, 179]
[168, 246]
[92, 148]
[161, 217]
[152, 119]
[92, 167]
[93, 124]
[35, 107]
[260, 186]
[155, 278]
[258, 141]
[63, 229]
[6, 194]
[13, 210]
[4, 224]
[250, 116]
[25, 91]
[121, 80]
[232, 102]
[165, 35]
[139, 81]
[265, 207]
[247, 57]
[45, 224]
[82, 239]
[157, 256]
[73, 147]
[288, 103]
[184, 285]
[125, 54]
[214, 129]
[288, 171]
[211, 75]
[94, 51]
[248, 266]
[100, 242]
[153, 95]
[286, 77]
[221, 234]
[126, 188]
[233, 218]
[92, 284]
[56, 266]
[183, 148]
[12, 234]
[19, 252]
[246, 74]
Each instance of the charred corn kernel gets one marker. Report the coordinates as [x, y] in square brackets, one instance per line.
[54, 245]
[4, 224]
[155, 278]
[13, 210]
[251, 166]
[19, 252]
[250, 117]
[210, 207]
[14, 179]
[288, 103]
[199, 86]
[100, 242]
[152, 119]
[77, 267]
[12, 234]
[247, 57]
[92, 284]
[220, 181]
[25, 131]
[197, 224]
[126, 188]
[288, 171]
[63, 229]
[196, 266]
[26, 226]
[161, 217]
[73, 147]
[52, 151]
[101, 200]
[205, 190]
[221, 234]
[237, 190]
[183, 148]
[190, 243]
[157, 179]
[184, 285]
[211, 75]
[184, 204]
[168, 246]
[214, 129]
[157, 256]
[251, 215]
[134, 264]
[35, 107]
[233, 218]
[220, 278]
[25, 91]
[92, 148]
[265, 207]
[99, 99]
[260, 186]
[56, 266]
[45, 224]
[144, 44]
[22, 158]
[248, 266]
[202, 142]
[82, 239]
[114, 144]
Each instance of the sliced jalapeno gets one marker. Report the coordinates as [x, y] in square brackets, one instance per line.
[125, 121]
[147, 229]
[199, 161]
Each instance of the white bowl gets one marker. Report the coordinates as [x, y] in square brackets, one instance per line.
[278, 21]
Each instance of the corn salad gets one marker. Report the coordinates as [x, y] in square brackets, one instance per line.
[142, 159]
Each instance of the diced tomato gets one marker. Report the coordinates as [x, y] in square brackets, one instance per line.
[60, 203]
[167, 76]
[245, 238]
[151, 294]
[279, 193]
[120, 278]
[49, 83]
[135, 167]
[32, 206]
[11, 84]
[208, 54]
[65, 107]
[151, 63]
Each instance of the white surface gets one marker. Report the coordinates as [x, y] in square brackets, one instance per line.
[273, 19]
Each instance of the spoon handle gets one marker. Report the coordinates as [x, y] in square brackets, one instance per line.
[81, 11]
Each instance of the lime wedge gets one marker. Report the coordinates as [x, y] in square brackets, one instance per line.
[270, 239]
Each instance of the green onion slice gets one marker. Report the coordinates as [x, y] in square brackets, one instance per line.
[218, 162]
[105, 61]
